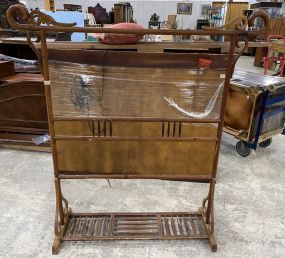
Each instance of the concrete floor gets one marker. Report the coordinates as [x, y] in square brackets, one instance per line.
[250, 210]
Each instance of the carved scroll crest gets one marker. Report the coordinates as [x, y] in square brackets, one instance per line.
[19, 15]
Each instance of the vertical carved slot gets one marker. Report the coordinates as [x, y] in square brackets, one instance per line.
[104, 128]
[99, 128]
[168, 129]
[173, 128]
[110, 128]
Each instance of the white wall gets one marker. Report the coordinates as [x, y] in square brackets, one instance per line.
[142, 9]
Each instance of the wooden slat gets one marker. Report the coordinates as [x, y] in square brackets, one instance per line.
[193, 225]
[166, 226]
[179, 226]
[172, 225]
[186, 226]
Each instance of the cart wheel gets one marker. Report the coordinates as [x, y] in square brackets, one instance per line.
[265, 143]
[242, 149]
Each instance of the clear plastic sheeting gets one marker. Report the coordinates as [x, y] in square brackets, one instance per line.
[80, 90]
[207, 111]
[21, 65]
[38, 140]
[257, 81]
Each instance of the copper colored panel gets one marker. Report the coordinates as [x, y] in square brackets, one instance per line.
[6, 68]
[239, 110]
[134, 59]
[136, 157]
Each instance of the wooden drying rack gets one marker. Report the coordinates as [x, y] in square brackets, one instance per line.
[71, 226]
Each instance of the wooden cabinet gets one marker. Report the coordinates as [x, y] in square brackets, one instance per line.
[123, 12]
[49, 5]
[23, 113]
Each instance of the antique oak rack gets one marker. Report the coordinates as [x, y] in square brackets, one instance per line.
[71, 226]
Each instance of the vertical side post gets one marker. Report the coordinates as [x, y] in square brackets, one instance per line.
[44, 54]
[230, 69]
[59, 201]
[210, 205]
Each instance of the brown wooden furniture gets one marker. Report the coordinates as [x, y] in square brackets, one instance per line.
[255, 110]
[233, 11]
[275, 54]
[49, 5]
[123, 12]
[99, 13]
[23, 113]
[124, 115]
[277, 27]
[72, 7]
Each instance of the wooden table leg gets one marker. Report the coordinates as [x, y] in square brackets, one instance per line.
[259, 54]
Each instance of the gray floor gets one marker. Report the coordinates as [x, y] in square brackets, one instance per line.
[250, 210]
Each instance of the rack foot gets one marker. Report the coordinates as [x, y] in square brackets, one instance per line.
[213, 243]
[56, 245]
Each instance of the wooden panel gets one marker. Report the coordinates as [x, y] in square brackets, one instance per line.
[136, 157]
[118, 13]
[22, 105]
[18, 77]
[49, 5]
[218, 4]
[277, 26]
[239, 110]
[259, 54]
[134, 129]
[75, 128]
[282, 28]
[234, 10]
[134, 59]
[6, 68]
[272, 26]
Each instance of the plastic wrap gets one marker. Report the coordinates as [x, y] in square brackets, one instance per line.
[38, 140]
[22, 65]
[257, 81]
[113, 91]
[127, 111]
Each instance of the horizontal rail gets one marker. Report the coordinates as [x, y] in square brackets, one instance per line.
[138, 119]
[180, 32]
[22, 120]
[126, 214]
[88, 175]
[150, 139]
[139, 237]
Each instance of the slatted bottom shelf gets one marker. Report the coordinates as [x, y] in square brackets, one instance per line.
[128, 226]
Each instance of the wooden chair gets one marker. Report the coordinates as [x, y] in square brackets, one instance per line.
[275, 53]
